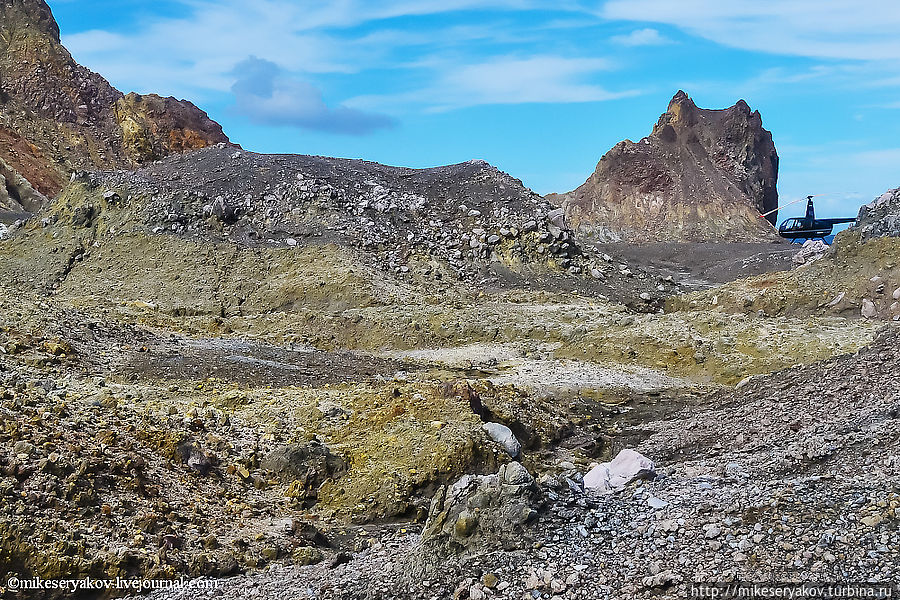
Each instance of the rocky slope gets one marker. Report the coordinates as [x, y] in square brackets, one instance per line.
[791, 479]
[227, 232]
[700, 175]
[858, 276]
[57, 116]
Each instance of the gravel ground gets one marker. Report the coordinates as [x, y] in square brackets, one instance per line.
[791, 478]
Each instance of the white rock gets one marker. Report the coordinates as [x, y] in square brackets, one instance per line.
[743, 382]
[712, 531]
[504, 436]
[836, 300]
[657, 503]
[613, 476]
[868, 309]
[897, 294]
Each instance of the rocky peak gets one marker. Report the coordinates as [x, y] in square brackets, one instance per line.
[57, 116]
[23, 15]
[700, 175]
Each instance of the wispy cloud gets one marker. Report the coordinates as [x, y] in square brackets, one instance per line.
[641, 37]
[505, 80]
[268, 96]
[843, 29]
[194, 54]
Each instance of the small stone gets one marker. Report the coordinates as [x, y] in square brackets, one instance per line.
[712, 531]
[466, 524]
[23, 447]
[871, 520]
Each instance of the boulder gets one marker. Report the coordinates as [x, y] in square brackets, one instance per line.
[880, 218]
[811, 251]
[482, 511]
[306, 467]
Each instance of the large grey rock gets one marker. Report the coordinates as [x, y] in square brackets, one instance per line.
[811, 251]
[482, 511]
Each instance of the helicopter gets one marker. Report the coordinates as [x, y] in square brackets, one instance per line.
[807, 227]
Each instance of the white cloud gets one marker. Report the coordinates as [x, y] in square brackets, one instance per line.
[505, 80]
[268, 96]
[193, 55]
[641, 37]
[882, 158]
[843, 29]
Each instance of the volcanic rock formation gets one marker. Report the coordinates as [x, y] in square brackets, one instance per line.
[57, 116]
[701, 175]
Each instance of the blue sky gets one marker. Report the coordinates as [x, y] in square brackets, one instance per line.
[539, 88]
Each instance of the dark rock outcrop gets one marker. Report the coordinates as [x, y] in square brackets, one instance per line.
[57, 117]
[701, 175]
[16, 193]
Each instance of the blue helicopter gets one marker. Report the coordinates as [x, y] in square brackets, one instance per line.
[807, 227]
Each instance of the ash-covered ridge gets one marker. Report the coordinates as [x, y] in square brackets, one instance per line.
[481, 222]
[701, 175]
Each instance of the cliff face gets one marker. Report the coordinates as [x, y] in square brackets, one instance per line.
[57, 116]
[701, 175]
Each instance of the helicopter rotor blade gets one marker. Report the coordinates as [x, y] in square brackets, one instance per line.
[763, 215]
